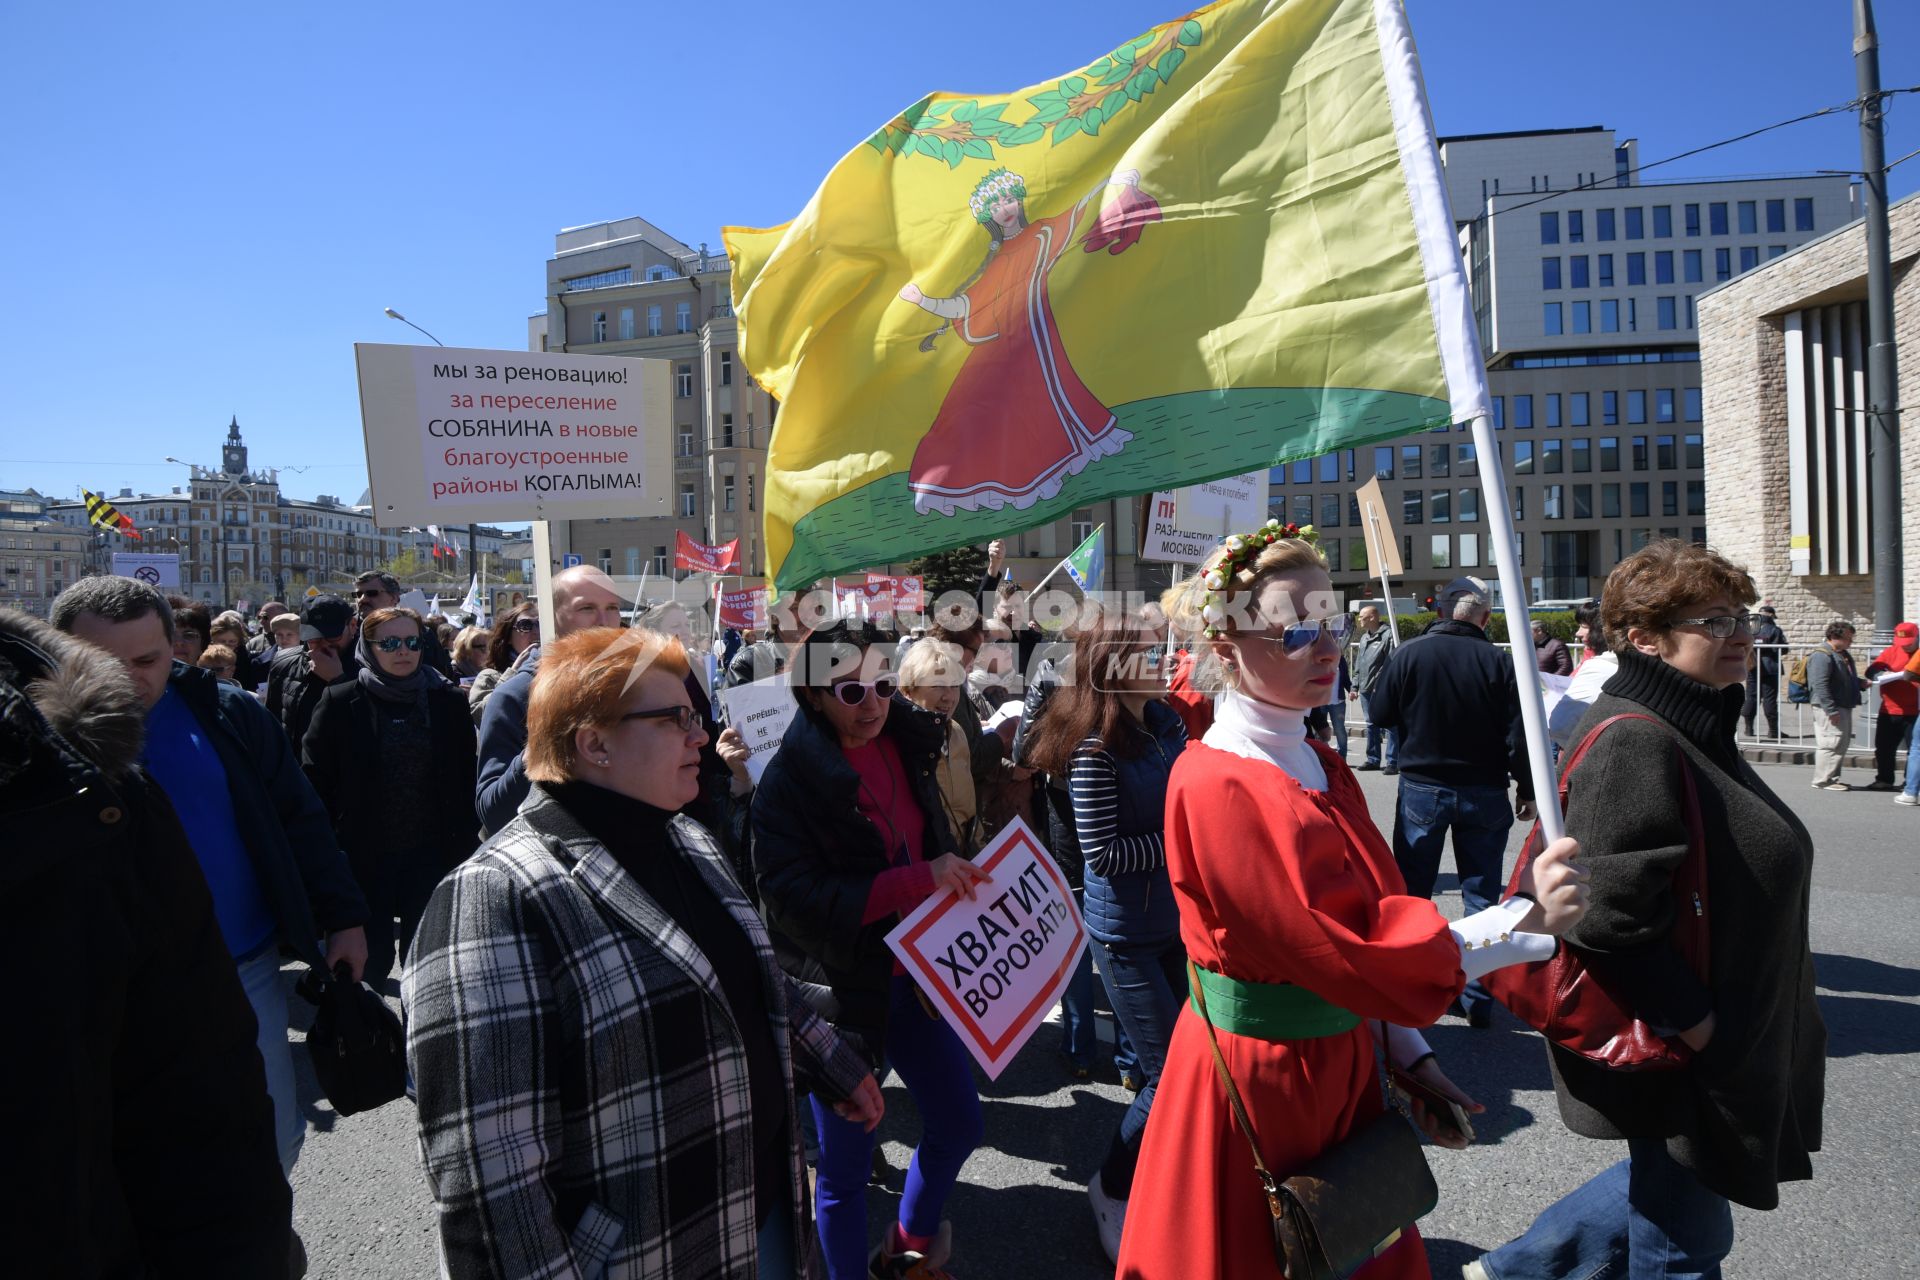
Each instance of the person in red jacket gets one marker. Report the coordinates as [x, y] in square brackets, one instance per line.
[1899, 706]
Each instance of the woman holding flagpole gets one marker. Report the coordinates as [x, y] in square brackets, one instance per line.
[1305, 949]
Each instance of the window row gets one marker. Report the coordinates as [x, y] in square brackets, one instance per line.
[1688, 266]
[1558, 318]
[1577, 407]
[1632, 224]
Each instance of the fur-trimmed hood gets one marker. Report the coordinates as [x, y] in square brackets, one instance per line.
[65, 708]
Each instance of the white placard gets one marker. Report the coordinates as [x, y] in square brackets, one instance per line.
[461, 433]
[156, 569]
[995, 964]
[1235, 504]
[761, 711]
[1183, 526]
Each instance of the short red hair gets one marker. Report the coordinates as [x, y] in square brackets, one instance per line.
[583, 682]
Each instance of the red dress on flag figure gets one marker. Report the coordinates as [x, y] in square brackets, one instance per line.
[1276, 884]
[1018, 420]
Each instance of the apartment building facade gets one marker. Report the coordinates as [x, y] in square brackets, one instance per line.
[1585, 280]
[39, 557]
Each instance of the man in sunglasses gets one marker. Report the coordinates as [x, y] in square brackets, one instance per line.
[376, 589]
[583, 597]
[1452, 702]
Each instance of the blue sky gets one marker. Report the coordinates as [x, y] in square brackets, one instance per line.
[210, 203]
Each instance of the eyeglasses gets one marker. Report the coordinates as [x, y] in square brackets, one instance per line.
[854, 692]
[527, 624]
[1300, 637]
[393, 644]
[681, 715]
[1720, 627]
[368, 593]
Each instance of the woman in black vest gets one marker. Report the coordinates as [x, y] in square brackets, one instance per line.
[391, 753]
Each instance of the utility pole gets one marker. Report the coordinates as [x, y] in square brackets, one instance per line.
[1883, 370]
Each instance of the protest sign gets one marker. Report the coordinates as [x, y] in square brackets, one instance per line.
[1376, 520]
[1183, 526]
[156, 569]
[886, 593]
[456, 433]
[744, 610]
[994, 965]
[698, 557]
[761, 711]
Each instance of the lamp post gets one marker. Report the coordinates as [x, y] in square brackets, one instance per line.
[472, 540]
[1883, 375]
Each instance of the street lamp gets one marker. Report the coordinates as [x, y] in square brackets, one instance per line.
[411, 325]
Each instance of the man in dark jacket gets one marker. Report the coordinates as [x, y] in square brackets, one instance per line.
[1371, 649]
[583, 597]
[1763, 681]
[139, 1135]
[256, 826]
[1452, 698]
[1550, 653]
[299, 677]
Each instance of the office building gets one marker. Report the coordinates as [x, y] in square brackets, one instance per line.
[1586, 281]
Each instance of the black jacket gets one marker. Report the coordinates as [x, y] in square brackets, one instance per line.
[301, 871]
[1746, 1113]
[341, 756]
[139, 1137]
[815, 856]
[293, 690]
[1451, 696]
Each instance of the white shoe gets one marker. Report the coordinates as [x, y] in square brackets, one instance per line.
[1904, 798]
[1474, 1271]
[1109, 1216]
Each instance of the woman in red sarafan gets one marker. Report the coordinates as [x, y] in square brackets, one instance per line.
[1018, 420]
[1288, 896]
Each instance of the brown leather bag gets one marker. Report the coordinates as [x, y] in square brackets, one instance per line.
[1351, 1202]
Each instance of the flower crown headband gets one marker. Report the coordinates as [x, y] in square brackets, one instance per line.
[1242, 551]
[991, 188]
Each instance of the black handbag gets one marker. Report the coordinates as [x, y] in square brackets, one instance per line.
[356, 1042]
[1351, 1202]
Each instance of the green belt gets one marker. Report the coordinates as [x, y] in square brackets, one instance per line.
[1268, 1010]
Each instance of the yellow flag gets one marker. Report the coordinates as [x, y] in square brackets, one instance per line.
[1219, 246]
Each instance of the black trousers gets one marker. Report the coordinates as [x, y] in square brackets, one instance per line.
[1763, 691]
[1889, 735]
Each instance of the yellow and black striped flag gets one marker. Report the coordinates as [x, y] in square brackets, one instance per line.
[107, 516]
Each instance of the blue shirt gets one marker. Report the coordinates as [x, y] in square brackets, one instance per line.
[187, 766]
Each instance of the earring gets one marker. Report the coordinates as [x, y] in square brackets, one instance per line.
[604, 761]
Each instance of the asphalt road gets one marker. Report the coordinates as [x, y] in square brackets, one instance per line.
[362, 1205]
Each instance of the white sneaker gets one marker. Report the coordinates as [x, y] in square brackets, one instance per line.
[1109, 1216]
[1904, 798]
[1474, 1271]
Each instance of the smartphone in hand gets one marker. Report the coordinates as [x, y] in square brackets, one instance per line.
[1449, 1114]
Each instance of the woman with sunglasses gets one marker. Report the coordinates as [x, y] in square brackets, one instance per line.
[848, 835]
[1111, 734]
[1304, 944]
[391, 753]
[515, 631]
[603, 1043]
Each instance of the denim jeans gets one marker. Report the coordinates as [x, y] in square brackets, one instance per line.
[260, 977]
[1480, 818]
[1337, 717]
[1146, 982]
[1913, 760]
[1376, 736]
[1079, 1039]
[1645, 1218]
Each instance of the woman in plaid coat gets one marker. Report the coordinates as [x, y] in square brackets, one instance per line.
[603, 1047]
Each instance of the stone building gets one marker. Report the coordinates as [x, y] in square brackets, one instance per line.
[1783, 375]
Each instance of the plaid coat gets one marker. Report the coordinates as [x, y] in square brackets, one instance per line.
[582, 1088]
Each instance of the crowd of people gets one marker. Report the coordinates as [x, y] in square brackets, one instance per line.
[649, 1002]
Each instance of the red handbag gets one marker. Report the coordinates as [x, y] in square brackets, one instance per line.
[1574, 1005]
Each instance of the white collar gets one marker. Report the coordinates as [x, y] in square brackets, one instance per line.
[1260, 731]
